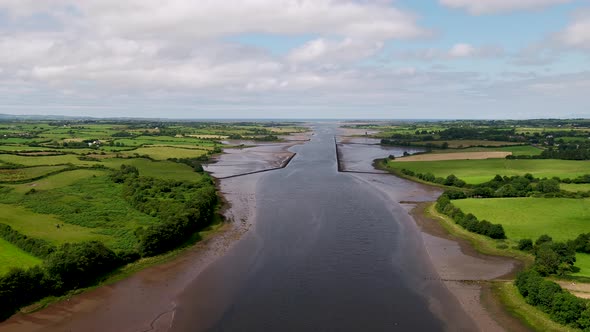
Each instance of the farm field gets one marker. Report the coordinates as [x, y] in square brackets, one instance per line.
[55, 180]
[516, 150]
[166, 152]
[455, 156]
[526, 217]
[479, 171]
[575, 187]
[561, 218]
[468, 143]
[8, 175]
[11, 256]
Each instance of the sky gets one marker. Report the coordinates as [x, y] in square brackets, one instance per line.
[363, 59]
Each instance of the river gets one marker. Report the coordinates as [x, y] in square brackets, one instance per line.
[328, 253]
[315, 250]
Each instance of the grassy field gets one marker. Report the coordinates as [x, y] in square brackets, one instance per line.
[583, 262]
[22, 174]
[44, 226]
[573, 187]
[479, 171]
[561, 218]
[517, 150]
[12, 256]
[527, 217]
[467, 143]
[59, 180]
[158, 169]
[43, 160]
[85, 202]
[165, 152]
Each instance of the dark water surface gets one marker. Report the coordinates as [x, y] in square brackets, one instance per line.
[328, 253]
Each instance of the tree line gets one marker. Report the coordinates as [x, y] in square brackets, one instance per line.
[549, 297]
[507, 186]
[182, 208]
[468, 221]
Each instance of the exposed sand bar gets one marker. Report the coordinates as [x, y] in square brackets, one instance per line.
[147, 300]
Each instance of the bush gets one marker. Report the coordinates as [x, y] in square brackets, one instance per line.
[525, 245]
[80, 264]
[36, 247]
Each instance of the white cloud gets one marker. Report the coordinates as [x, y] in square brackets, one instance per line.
[577, 34]
[322, 50]
[462, 51]
[457, 51]
[214, 18]
[478, 7]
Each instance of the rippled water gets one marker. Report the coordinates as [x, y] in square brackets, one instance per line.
[328, 253]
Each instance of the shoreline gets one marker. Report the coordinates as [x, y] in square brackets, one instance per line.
[144, 296]
[471, 284]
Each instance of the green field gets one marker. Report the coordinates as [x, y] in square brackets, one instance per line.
[44, 226]
[23, 174]
[517, 150]
[12, 256]
[561, 218]
[165, 152]
[43, 160]
[573, 187]
[583, 262]
[158, 169]
[57, 180]
[479, 171]
[67, 186]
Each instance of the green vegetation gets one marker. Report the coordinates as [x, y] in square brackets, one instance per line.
[10, 255]
[514, 302]
[563, 219]
[479, 171]
[561, 306]
[81, 198]
[8, 175]
[575, 187]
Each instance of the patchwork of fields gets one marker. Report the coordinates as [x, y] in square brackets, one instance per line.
[55, 180]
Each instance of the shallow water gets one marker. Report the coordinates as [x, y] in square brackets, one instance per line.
[328, 253]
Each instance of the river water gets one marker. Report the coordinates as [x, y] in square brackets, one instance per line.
[328, 252]
[310, 249]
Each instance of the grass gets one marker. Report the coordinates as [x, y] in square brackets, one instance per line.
[583, 262]
[479, 171]
[561, 218]
[165, 152]
[573, 187]
[43, 226]
[23, 174]
[467, 143]
[509, 296]
[517, 150]
[482, 244]
[12, 256]
[44, 160]
[59, 180]
[90, 208]
[158, 169]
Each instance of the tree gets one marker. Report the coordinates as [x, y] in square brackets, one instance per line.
[525, 245]
[543, 239]
[546, 260]
[548, 186]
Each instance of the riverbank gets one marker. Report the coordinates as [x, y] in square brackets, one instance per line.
[468, 273]
[143, 296]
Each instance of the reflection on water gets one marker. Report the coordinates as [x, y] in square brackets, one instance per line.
[328, 253]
